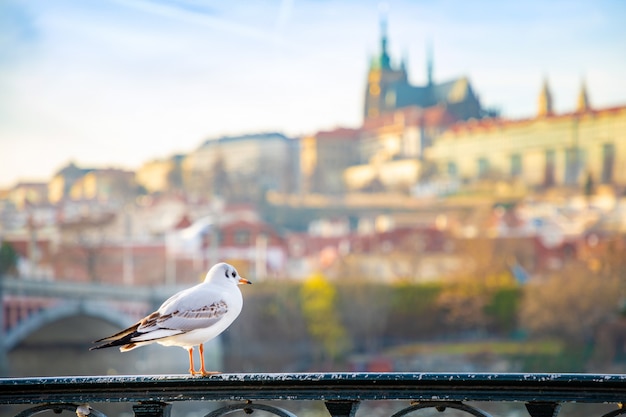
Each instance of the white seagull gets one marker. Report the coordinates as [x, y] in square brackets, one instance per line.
[189, 318]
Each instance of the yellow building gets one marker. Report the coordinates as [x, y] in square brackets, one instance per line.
[161, 175]
[548, 150]
[25, 193]
[60, 185]
[391, 147]
[323, 158]
[104, 185]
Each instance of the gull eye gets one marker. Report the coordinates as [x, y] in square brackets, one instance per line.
[233, 274]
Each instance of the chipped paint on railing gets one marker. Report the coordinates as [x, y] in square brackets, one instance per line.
[542, 393]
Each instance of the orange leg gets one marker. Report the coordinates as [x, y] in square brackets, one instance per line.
[202, 370]
[192, 371]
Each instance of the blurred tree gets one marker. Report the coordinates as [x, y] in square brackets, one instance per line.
[413, 313]
[613, 264]
[569, 305]
[82, 249]
[466, 301]
[589, 187]
[318, 298]
[502, 309]
[8, 259]
[364, 309]
[220, 181]
[463, 303]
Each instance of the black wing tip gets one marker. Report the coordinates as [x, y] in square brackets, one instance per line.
[118, 339]
[106, 345]
[121, 341]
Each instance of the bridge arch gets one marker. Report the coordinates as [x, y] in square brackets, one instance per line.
[62, 310]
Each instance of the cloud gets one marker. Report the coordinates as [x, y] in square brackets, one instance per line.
[184, 12]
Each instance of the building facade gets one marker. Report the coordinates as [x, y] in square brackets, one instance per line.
[24, 194]
[392, 148]
[60, 185]
[109, 184]
[161, 175]
[242, 167]
[324, 158]
[547, 150]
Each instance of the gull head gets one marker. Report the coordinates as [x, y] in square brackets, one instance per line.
[225, 273]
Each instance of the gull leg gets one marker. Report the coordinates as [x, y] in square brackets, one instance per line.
[192, 371]
[202, 370]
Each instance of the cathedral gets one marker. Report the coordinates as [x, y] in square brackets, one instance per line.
[388, 89]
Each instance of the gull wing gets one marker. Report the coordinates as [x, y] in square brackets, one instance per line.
[196, 308]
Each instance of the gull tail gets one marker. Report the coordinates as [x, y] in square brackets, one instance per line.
[122, 339]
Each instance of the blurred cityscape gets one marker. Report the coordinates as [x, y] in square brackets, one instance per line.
[437, 236]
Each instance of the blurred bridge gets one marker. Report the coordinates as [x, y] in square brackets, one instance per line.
[28, 305]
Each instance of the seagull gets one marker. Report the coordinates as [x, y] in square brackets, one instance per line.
[188, 318]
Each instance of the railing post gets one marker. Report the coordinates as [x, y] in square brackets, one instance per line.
[543, 409]
[4, 363]
[152, 409]
[342, 408]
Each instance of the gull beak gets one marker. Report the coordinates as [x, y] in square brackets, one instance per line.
[244, 281]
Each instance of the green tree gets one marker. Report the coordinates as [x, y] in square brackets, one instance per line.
[8, 259]
[590, 187]
[318, 301]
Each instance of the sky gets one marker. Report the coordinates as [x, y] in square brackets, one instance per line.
[117, 83]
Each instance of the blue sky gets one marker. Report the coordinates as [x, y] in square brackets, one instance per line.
[120, 82]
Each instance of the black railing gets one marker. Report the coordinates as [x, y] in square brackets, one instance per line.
[341, 393]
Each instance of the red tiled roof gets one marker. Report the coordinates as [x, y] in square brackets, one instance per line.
[184, 222]
[436, 116]
[434, 240]
[475, 125]
[339, 133]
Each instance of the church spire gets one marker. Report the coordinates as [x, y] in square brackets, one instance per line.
[429, 63]
[545, 100]
[582, 105]
[385, 62]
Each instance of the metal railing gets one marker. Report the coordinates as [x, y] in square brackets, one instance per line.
[341, 393]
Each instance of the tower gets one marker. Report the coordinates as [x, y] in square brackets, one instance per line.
[385, 61]
[582, 104]
[545, 100]
[429, 63]
[380, 77]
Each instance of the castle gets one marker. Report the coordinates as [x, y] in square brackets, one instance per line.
[388, 89]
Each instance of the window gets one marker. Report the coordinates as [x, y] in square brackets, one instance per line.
[452, 169]
[549, 177]
[220, 237]
[572, 165]
[516, 165]
[608, 161]
[213, 234]
[483, 167]
[242, 237]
